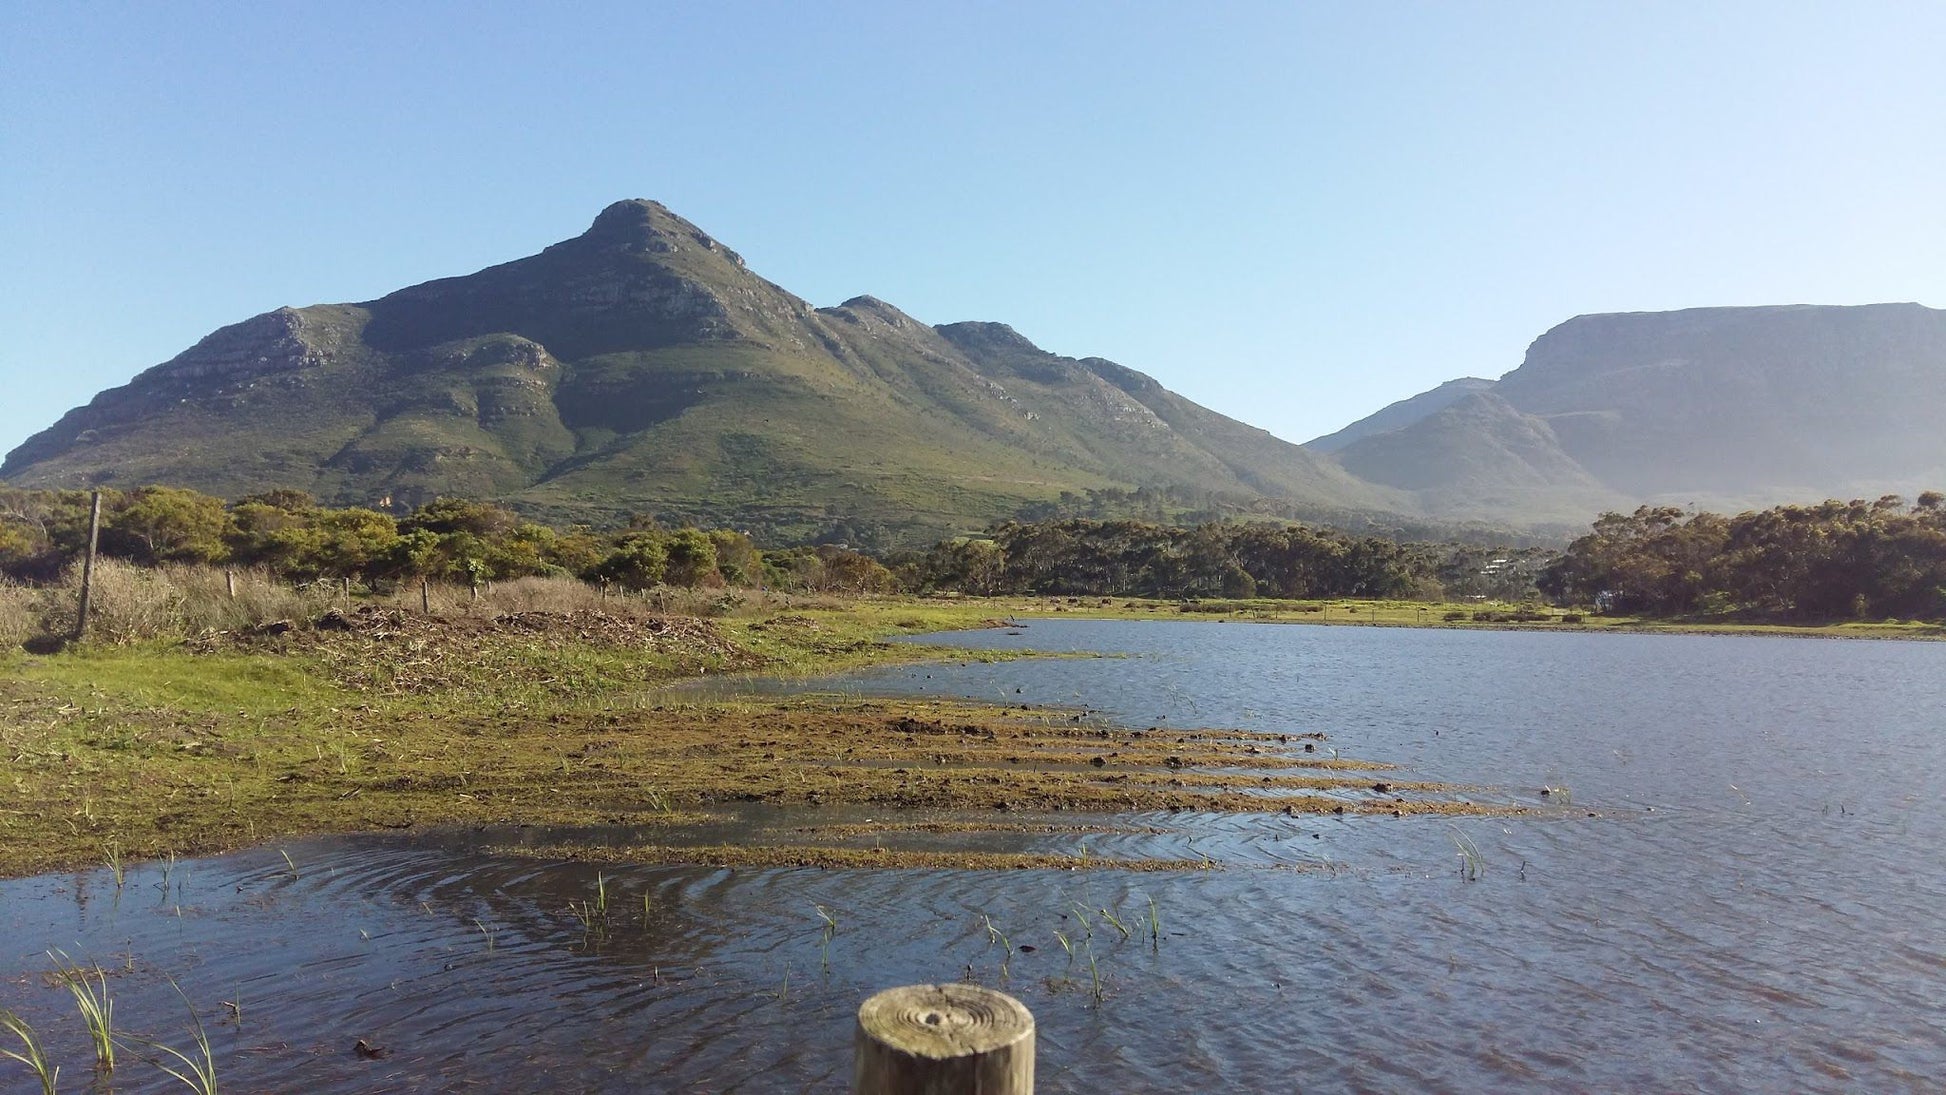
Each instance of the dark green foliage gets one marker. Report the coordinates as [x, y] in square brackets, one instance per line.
[1835, 560]
[691, 559]
[1132, 558]
[287, 534]
[638, 562]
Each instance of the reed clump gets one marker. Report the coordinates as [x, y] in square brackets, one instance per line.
[90, 990]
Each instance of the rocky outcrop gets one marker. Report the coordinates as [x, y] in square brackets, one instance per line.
[270, 343]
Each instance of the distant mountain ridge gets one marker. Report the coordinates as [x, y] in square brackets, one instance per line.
[1403, 413]
[642, 367]
[1727, 408]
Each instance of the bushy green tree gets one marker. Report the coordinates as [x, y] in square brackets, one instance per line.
[167, 525]
[641, 560]
[692, 559]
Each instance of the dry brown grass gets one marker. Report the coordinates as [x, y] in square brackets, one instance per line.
[565, 595]
[19, 613]
[133, 603]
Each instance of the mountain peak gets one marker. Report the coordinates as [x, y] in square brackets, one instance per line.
[987, 337]
[639, 225]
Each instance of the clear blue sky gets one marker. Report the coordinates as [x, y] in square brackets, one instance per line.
[1294, 213]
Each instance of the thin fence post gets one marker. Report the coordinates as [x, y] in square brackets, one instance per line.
[229, 583]
[347, 596]
[425, 596]
[952, 1039]
[88, 568]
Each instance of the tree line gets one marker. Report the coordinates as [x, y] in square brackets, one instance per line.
[1215, 559]
[1835, 560]
[289, 534]
[1880, 559]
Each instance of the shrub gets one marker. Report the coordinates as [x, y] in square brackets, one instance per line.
[19, 614]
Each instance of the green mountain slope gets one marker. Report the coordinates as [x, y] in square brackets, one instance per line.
[641, 367]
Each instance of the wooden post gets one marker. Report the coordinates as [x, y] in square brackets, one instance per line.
[88, 568]
[229, 583]
[347, 596]
[425, 596]
[943, 1040]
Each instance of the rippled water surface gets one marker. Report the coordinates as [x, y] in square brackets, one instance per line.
[1754, 904]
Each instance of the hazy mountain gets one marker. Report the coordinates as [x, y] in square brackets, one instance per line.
[1724, 407]
[1401, 414]
[641, 367]
[1481, 456]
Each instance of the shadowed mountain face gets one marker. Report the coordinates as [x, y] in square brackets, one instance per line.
[1725, 407]
[641, 367]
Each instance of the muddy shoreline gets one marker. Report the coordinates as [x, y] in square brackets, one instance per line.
[382, 721]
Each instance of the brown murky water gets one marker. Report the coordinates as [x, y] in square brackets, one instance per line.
[1755, 907]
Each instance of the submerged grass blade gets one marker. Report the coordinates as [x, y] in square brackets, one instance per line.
[31, 1053]
[830, 929]
[1472, 863]
[96, 1007]
[197, 1073]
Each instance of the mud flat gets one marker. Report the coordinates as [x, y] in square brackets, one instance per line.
[385, 720]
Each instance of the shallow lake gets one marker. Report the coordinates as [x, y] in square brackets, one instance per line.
[1745, 895]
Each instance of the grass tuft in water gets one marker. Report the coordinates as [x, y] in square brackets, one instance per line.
[31, 1053]
[995, 935]
[830, 929]
[197, 1073]
[96, 1007]
[1472, 863]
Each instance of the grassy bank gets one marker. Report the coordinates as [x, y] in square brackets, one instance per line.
[388, 718]
[550, 704]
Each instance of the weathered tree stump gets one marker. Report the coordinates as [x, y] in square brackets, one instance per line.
[943, 1040]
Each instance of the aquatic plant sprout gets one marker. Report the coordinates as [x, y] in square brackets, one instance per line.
[830, 929]
[197, 1073]
[31, 1053]
[1472, 863]
[96, 1007]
